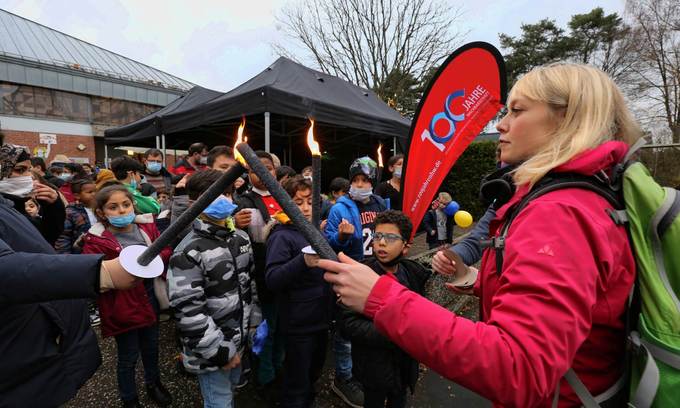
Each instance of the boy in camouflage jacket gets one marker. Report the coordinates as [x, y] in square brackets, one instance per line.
[213, 295]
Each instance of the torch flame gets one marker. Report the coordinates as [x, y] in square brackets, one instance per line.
[380, 161]
[240, 139]
[313, 145]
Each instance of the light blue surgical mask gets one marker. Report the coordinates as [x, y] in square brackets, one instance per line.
[121, 221]
[220, 209]
[397, 172]
[360, 194]
[66, 177]
[154, 167]
[133, 183]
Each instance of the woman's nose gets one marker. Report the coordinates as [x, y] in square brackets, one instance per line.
[502, 125]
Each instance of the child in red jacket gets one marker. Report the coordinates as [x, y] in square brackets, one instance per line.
[128, 315]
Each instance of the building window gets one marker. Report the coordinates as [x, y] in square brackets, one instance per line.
[37, 102]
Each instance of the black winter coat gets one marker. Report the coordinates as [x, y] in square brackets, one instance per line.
[377, 363]
[47, 346]
[304, 300]
[51, 220]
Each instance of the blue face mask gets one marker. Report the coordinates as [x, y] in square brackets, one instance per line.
[154, 167]
[220, 209]
[121, 221]
[397, 172]
[133, 182]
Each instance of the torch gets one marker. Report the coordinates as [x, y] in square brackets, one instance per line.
[144, 261]
[316, 176]
[310, 232]
[380, 164]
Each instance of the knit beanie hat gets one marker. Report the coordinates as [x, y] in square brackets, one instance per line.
[364, 165]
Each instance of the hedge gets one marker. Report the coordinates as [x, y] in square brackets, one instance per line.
[478, 160]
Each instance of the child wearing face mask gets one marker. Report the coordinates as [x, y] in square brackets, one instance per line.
[390, 190]
[128, 315]
[213, 295]
[384, 370]
[350, 220]
[129, 172]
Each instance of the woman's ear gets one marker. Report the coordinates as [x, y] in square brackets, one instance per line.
[100, 214]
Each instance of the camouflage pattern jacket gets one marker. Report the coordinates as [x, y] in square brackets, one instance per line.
[213, 295]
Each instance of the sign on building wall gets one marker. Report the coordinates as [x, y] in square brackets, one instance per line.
[48, 138]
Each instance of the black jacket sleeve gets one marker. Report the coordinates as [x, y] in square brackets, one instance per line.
[30, 278]
[283, 266]
[52, 220]
[358, 328]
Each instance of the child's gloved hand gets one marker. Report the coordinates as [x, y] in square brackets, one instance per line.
[259, 337]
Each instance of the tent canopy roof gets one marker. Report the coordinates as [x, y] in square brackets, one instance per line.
[284, 88]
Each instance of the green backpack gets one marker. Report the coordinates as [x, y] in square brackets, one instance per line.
[652, 213]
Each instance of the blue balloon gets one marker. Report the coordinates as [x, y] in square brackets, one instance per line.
[451, 208]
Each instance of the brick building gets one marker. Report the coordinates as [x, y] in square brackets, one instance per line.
[58, 93]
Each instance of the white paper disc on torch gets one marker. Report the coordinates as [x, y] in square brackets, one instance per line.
[128, 260]
[308, 250]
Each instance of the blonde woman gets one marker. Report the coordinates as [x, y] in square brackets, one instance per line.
[559, 300]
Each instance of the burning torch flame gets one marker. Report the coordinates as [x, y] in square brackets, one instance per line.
[380, 162]
[240, 139]
[313, 145]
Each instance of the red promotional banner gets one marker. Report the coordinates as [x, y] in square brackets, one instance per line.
[467, 92]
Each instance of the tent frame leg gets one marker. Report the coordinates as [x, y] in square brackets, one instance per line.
[267, 136]
[163, 148]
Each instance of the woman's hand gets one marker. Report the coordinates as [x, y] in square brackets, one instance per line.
[42, 192]
[351, 280]
[443, 265]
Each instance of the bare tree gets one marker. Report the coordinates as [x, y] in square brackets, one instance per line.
[656, 30]
[369, 42]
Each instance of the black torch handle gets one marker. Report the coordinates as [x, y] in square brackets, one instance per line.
[313, 235]
[316, 191]
[191, 213]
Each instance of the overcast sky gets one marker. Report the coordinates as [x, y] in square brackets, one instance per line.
[222, 43]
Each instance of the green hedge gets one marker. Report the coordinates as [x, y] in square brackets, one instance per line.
[478, 160]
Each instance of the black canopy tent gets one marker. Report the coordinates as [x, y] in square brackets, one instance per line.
[149, 126]
[277, 104]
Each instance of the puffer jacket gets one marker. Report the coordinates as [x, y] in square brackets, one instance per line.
[377, 363]
[558, 303]
[124, 310]
[213, 295]
[47, 345]
[76, 225]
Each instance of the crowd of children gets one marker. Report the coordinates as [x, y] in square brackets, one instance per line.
[238, 268]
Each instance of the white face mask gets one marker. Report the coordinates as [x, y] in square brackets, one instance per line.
[20, 186]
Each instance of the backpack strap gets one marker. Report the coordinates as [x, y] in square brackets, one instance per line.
[599, 184]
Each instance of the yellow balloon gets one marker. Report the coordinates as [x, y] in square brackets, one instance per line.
[462, 218]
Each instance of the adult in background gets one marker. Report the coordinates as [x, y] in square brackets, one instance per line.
[157, 175]
[49, 349]
[559, 299]
[17, 186]
[390, 190]
[196, 160]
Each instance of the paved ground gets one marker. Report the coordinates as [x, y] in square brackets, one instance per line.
[432, 390]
